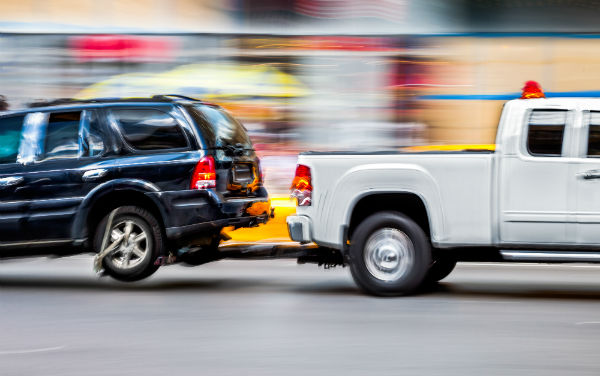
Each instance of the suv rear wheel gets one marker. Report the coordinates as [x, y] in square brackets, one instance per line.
[135, 241]
[389, 254]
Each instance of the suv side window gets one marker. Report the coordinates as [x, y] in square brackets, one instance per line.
[149, 129]
[545, 132]
[62, 135]
[593, 143]
[10, 135]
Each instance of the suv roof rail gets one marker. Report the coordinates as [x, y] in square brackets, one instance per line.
[59, 101]
[53, 102]
[66, 101]
[178, 96]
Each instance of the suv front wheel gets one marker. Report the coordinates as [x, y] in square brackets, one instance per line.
[135, 240]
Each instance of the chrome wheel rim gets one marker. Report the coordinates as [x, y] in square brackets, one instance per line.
[129, 244]
[389, 253]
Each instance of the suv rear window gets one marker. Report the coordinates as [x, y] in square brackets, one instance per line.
[62, 135]
[219, 128]
[10, 134]
[150, 129]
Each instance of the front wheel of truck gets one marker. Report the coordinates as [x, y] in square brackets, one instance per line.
[389, 254]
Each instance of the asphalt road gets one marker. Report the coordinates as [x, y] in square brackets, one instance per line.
[279, 318]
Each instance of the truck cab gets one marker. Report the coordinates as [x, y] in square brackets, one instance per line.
[548, 172]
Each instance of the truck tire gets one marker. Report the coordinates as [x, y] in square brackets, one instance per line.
[389, 254]
[441, 267]
[137, 239]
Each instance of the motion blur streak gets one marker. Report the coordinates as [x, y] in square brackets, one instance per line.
[349, 75]
[420, 72]
[307, 74]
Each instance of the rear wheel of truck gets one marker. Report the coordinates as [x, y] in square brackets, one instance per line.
[131, 243]
[389, 254]
[440, 268]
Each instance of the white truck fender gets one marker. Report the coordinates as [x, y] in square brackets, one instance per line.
[367, 179]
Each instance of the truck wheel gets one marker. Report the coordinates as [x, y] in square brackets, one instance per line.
[389, 254]
[441, 267]
[136, 240]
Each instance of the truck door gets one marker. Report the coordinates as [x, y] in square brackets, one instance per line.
[586, 177]
[534, 181]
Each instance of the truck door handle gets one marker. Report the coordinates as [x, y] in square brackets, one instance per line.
[589, 175]
[10, 181]
[94, 174]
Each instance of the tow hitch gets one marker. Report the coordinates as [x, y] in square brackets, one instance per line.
[305, 254]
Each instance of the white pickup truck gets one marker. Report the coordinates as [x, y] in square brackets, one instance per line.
[402, 219]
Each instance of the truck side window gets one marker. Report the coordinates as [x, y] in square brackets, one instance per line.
[593, 144]
[545, 132]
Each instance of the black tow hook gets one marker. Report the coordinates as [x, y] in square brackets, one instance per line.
[327, 258]
[165, 260]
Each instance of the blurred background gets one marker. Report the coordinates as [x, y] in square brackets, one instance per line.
[302, 75]
[308, 74]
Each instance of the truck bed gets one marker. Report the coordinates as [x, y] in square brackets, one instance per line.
[456, 187]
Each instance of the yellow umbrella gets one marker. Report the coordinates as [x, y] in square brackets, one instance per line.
[122, 85]
[203, 80]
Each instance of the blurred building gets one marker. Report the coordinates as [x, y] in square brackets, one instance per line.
[342, 74]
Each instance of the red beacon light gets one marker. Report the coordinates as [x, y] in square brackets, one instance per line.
[532, 90]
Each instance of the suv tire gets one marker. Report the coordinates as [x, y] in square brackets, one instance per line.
[389, 254]
[137, 239]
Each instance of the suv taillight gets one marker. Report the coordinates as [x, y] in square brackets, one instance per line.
[302, 186]
[205, 175]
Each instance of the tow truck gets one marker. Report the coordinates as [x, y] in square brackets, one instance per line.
[402, 219]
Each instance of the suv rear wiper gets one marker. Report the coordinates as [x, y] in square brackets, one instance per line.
[235, 150]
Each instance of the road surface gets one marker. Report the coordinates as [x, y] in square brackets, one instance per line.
[278, 318]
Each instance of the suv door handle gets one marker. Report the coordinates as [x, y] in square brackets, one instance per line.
[589, 175]
[94, 174]
[10, 181]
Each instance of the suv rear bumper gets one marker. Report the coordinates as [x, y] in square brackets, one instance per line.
[212, 226]
[194, 212]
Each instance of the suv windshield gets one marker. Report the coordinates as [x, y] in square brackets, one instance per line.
[219, 128]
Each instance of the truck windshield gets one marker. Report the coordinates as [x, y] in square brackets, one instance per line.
[219, 128]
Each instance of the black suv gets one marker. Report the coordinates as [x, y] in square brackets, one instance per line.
[134, 180]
